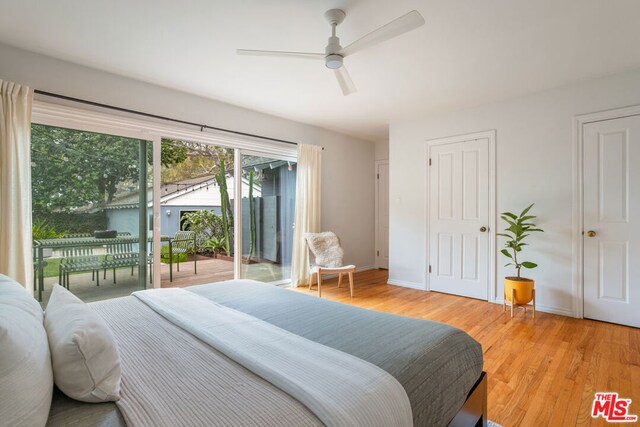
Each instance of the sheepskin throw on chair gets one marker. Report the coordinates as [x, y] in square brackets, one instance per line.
[326, 248]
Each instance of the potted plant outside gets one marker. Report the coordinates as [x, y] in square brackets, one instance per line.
[517, 289]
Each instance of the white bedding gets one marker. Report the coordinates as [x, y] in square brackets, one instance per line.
[340, 389]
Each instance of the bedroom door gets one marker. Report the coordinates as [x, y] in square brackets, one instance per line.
[459, 218]
[611, 237]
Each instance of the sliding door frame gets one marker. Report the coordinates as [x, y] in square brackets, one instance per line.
[99, 121]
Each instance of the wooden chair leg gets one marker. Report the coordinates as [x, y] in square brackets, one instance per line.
[339, 279]
[513, 299]
[319, 285]
[534, 304]
[351, 282]
[311, 280]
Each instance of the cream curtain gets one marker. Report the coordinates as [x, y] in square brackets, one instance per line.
[16, 259]
[307, 209]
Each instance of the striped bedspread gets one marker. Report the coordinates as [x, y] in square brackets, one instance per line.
[190, 383]
[340, 389]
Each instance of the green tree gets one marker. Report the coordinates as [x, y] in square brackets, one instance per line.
[74, 169]
[172, 152]
[187, 160]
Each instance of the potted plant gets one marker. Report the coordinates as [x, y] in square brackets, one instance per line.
[517, 289]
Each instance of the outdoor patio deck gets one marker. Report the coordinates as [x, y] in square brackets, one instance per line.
[209, 270]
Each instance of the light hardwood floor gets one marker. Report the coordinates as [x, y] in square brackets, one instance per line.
[541, 373]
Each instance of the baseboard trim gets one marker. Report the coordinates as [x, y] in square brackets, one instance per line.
[546, 309]
[405, 284]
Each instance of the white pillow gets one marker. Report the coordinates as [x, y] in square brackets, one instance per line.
[85, 358]
[26, 379]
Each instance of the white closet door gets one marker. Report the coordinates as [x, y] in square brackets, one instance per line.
[612, 220]
[459, 218]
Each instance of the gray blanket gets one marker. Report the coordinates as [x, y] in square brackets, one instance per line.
[435, 363]
[340, 389]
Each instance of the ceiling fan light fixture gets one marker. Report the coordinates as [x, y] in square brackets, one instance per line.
[334, 53]
[333, 61]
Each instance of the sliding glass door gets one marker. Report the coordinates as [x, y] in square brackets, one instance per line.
[221, 207]
[268, 207]
[196, 213]
[92, 212]
[204, 195]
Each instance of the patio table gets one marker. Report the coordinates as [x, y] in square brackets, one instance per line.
[75, 242]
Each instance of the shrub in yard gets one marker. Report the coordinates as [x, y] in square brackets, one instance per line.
[215, 245]
[41, 229]
[164, 256]
[206, 224]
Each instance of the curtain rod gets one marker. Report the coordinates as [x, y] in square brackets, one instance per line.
[155, 116]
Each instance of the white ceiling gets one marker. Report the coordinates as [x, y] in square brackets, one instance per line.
[469, 52]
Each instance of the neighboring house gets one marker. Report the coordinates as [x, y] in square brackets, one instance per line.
[177, 199]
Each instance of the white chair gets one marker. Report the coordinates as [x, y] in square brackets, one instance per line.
[325, 257]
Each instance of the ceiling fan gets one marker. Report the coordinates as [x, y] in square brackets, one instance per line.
[334, 53]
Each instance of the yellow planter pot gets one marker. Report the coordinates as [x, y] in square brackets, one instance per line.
[523, 290]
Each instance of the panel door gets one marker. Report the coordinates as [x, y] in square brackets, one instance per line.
[611, 238]
[382, 252]
[459, 217]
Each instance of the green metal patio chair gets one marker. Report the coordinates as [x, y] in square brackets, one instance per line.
[36, 266]
[120, 255]
[78, 260]
[183, 243]
[76, 235]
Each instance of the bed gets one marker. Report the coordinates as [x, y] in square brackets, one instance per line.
[439, 367]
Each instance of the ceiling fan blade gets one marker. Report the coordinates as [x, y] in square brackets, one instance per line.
[304, 55]
[344, 80]
[401, 25]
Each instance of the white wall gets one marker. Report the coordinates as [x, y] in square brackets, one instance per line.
[347, 183]
[534, 164]
[382, 150]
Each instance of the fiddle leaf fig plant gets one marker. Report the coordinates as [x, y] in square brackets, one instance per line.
[519, 228]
